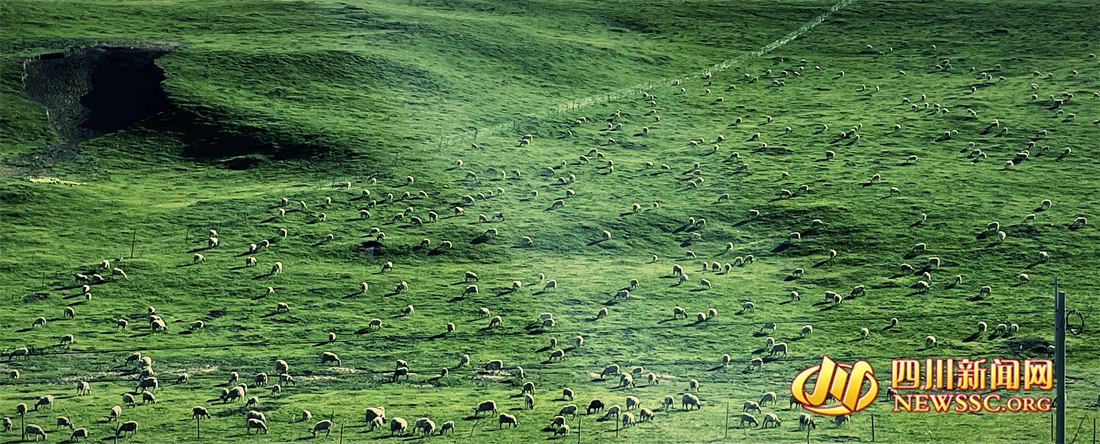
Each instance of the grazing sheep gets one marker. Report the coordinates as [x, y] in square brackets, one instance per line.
[771, 418]
[497, 320]
[398, 424]
[44, 401]
[626, 379]
[116, 413]
[693, 385]
[779, 347]
[806, 422]
[751, 405]
[494, 365]
[842, 419]
[985, 290]
[63, 421]
[745, 417]
[330, 357]
[930, 341]
[550, 284]
[78, 433]
[756, 363]
[610, 370]
[570, 409]
[36, 430]
[128, 426]
[579, 341]
[507, 419]
[807, 329]
[768, 326]
[277, 268]
[689, 400]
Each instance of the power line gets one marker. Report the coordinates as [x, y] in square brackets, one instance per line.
[464, 335]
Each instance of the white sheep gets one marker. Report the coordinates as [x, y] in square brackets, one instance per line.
[507, 419]
[779, 347]
[930, 341]
[689, 400]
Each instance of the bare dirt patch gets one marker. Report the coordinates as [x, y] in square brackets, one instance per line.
[90, 90]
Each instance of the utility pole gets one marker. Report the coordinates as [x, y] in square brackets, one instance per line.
[1060, 363]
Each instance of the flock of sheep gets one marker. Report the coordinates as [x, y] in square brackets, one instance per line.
[376, 202]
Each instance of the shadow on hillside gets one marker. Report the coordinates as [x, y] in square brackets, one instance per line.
[972, 337]
[782, 247]
[888, 327]
[829, 307]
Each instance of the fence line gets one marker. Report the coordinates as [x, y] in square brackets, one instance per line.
[600, 99]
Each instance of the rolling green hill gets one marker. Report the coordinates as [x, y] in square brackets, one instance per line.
[316, 102]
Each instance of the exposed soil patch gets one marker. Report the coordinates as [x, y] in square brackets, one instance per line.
[90, 91]
[93, 91]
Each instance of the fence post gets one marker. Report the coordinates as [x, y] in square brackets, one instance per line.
[198, 428]
[872, 428]
[132, 243]
[727, 434]
[582, 419]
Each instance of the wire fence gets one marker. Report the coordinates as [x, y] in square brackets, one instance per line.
[519, 123]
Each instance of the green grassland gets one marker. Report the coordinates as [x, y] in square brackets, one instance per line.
[374, 92]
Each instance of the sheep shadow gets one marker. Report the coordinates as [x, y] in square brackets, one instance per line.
[480, 240]
[888, 327]
[694, 290]
[714, 369]
[596, 242]
[831, 307]
[782, 247]
[667, 320]
[759, 334]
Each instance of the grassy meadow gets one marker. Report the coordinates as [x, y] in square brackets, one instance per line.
[294, 100]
